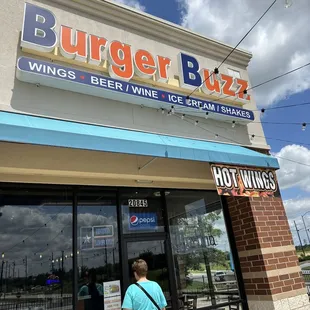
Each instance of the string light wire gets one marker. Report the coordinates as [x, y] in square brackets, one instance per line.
[23, 241]
[189, 120]
[271, 5]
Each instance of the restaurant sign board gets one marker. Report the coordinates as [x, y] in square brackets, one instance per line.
[245, 181]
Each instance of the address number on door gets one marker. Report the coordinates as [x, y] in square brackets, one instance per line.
[137, 203]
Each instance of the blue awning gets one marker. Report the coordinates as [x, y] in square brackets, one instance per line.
[51, 132]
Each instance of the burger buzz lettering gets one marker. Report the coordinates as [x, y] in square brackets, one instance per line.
[39, 34]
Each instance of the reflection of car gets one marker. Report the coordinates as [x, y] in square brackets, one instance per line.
[189, 277]
[219, 276]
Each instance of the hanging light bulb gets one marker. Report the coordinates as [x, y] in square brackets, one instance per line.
[207, 115]
[262, 111]
[217, 73]
[169, 113]
[288, 3]
[66, 256]
[303, 128]
[233, 124]
[71, 255]
[78, 252]
[216, 136]
[2, 254]
[187, 100]
[172, 109]
[162, 111]
[40, 255]
[183, 116]
[252, 137]
[200, 106]
[196, 123]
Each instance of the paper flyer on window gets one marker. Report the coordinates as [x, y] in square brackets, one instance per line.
[112, 295]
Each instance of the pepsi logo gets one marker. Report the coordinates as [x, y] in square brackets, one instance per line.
[134, 220]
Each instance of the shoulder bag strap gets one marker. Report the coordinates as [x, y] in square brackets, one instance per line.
[148, 295]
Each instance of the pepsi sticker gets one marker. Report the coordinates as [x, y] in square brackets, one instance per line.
[145, 221]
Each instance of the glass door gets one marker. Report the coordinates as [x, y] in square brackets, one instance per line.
[154, 253]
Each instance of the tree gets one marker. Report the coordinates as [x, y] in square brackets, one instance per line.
[197, 241]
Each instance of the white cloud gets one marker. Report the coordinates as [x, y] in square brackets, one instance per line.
[27, 223]
[279, 43]
[132, 3]
[292, 174]
[295, 208]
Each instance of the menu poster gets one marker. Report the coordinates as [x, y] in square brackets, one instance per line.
[112, 295]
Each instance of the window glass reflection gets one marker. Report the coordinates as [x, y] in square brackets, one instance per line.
[36, 247]
[204, 269]
[98, 255]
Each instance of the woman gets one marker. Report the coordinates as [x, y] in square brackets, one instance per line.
[145, 294]
[93, 293]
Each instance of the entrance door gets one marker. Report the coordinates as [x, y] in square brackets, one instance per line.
[153, 251]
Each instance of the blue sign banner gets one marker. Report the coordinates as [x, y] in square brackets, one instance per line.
[52, 281]
[72, 79]
[142, 221]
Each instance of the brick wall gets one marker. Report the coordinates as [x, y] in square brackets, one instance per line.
[265, 246]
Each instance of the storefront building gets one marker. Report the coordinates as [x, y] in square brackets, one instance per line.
[118, 142]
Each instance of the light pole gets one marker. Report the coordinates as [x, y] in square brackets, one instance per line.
[305, 226]
[299, 239]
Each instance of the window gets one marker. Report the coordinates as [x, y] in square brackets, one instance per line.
[36, 247]
[203, 264]
[98, 255]
[234, 73]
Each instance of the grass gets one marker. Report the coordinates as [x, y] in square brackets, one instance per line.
[215, 267]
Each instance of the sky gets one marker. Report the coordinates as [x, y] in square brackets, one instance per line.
[279, 43]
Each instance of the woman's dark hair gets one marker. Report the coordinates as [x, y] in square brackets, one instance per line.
[92, 287]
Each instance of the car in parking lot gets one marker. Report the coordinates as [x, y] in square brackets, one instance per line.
[219, 276]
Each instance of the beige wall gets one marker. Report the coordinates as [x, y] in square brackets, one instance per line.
[41, 164]
[26, 98]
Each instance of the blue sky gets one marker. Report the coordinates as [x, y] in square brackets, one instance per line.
[278, 46]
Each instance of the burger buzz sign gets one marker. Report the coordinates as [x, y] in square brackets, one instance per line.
[244, 181]
[114, 64]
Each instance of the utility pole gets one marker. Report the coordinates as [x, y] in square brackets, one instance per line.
[26, 271]
[62, 274]
[13, 270]
[2, 268]
[299, 239]
[303, 220]
[6, 276]
[52, 262]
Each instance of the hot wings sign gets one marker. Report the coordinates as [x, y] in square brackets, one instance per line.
[244, 181]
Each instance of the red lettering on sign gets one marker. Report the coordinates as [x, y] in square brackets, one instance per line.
[211, 84]
[73, 44]
[96, 47]
[243, 85]
[227, 85]
[145, 64]
[163, 64]
[121, 66]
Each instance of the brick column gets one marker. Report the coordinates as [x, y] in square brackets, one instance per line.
[270, 268]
